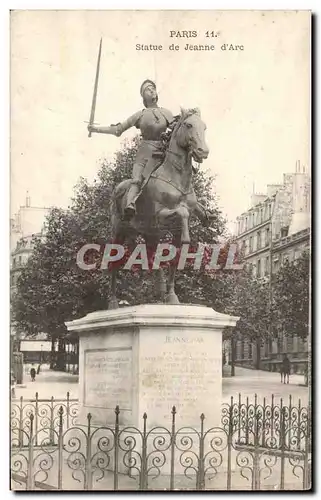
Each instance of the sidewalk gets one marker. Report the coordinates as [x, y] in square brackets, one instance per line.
[48, 383]
[264, 384]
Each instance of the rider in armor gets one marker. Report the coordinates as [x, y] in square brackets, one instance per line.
[152, 121]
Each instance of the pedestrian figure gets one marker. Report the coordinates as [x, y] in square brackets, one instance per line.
[33, 374]
[285, 369]
[13, 385]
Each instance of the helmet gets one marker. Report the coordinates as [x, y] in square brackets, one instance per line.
[146, 84]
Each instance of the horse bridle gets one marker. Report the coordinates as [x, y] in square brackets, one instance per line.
[179, 123]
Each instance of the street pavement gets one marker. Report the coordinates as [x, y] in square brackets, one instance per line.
[247, 382]
[264, 384]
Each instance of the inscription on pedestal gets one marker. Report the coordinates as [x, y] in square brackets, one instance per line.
[186, 373]
[108, 378]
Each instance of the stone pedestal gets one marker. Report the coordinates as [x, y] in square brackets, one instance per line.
[149, 358]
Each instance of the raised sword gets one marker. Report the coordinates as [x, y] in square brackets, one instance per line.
[93, 104]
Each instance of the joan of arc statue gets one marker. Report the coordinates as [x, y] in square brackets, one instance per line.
[152, 121]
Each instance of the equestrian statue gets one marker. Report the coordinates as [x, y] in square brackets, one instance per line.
[159, 197]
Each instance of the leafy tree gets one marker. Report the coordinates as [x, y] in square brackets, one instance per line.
[291, 298]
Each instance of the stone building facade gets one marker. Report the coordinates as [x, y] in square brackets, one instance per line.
[274, 230]
[24, 225]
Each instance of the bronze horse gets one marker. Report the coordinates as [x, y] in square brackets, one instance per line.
[167, 198]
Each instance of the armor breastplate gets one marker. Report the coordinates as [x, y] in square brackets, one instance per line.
[152, 124]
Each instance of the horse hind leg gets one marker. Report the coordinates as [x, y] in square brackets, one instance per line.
[113, 301]
[118, 236]
[171, 297]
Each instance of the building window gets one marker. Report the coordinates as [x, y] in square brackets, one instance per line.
[250, 350]
[245, 223]
[261, 215]
[267, 236]
[258, 269]
[284, 231]
[238, 227]
[289, 344]
[258, 246]
[20, 259]
[297, 254]
[270, 210]
[276, 265]
[14, 261]
[251, 244]
[267, 266]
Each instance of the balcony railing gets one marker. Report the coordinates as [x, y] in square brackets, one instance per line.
[292, 238]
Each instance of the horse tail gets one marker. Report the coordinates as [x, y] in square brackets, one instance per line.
[112, 205]
[115, 203]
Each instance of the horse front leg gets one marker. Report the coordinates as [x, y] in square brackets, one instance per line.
[161, 285]
[182, 212]
[113, 302]
[171, 297]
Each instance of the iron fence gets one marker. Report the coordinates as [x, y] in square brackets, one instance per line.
[115, 457]
[263, 421]
[45, 415]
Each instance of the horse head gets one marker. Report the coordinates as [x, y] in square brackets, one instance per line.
[190, 134]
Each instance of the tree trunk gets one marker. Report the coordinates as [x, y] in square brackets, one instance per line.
[270, 343]
[233, 345]
[61, 358]
[258, 354]
[52, 354]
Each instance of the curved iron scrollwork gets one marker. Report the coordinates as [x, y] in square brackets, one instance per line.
[257, 446]
[102, 446]
[187, 441]
[156, 457]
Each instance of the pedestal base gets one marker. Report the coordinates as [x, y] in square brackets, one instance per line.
[149, 358]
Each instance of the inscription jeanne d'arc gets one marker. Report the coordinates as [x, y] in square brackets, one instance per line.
[108, 378]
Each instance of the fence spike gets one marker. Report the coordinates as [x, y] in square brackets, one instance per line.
[173, 410]
[117, 410]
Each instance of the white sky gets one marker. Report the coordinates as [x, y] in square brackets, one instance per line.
[255, 103]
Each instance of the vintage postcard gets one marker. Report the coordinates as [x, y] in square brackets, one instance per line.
[160, 250]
